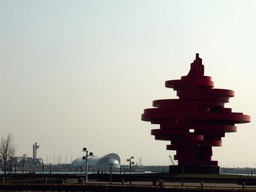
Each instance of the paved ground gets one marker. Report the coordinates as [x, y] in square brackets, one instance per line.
[178, 184]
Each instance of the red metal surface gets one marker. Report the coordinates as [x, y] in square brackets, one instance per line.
[196, 121]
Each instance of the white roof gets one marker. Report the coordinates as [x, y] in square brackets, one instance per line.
[94, 161]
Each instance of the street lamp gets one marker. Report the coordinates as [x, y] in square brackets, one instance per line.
[24, 159]
[43, 168]
[10, 165]
[130, 163]
[110, 173]
[86, 163]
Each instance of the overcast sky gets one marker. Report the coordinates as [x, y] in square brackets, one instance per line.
[79, 74]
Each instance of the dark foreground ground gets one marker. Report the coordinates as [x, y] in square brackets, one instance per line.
[132, 183]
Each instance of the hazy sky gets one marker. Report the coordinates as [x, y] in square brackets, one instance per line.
[79, 74]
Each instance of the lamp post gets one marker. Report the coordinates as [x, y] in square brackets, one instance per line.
[43, 168]
[10, 165]
[86, 163]
[130, 163]
[50, 168]
[24, 159]
[110, 174]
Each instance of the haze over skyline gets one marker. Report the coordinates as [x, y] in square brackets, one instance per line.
[79, 74]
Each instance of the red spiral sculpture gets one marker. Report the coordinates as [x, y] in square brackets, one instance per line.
[196, 121]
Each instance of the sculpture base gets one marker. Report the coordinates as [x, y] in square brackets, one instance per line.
[199, 169]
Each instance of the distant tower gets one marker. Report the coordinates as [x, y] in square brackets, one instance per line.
[35, 147]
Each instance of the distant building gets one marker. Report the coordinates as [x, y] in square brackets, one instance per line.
[29, 162]
[99, 163]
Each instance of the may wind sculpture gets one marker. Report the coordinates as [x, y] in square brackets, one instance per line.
[196, 121]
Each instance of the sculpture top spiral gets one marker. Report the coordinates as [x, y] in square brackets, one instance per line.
[196, 121]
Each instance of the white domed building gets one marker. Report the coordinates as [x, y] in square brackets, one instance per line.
[99, 163]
